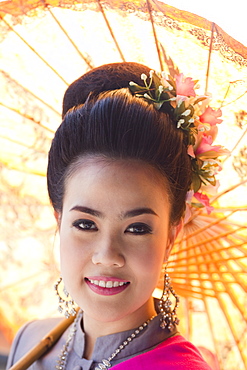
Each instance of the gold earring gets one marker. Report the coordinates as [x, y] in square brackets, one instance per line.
[169, 317]
[65, 306]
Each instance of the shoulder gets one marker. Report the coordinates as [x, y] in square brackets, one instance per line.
[175, 353]
[28, 336]
[182, 354]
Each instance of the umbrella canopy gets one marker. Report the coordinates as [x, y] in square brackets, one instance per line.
[47, 45]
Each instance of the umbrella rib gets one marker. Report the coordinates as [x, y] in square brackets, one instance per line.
[185, 264]
[208, 226]
[227, 191]
[201, 293]
[34, 51]
[233, 298]
[155, 35]
[231, 271]
[204, 241]
[110, 30]
[237, 143]
[22, 144]
[206, 253]
[227, 290]
[212, 333]
[177, 277]
[86, 60]
[233, 101]
[30, 92]
[22, 170]
[209, 55]
[230, 326]
[27, 117]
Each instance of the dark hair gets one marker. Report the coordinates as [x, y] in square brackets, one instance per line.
[114, 123]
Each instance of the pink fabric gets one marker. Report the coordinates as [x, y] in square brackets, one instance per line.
[175, 353]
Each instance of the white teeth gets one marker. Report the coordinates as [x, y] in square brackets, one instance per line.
[107, 284]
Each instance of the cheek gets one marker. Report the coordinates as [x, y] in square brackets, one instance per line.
[149, 259]
[70, 250]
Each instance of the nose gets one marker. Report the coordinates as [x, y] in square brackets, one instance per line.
[108, 253]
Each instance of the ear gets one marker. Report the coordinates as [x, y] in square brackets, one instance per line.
[173, 233]
[57, 216]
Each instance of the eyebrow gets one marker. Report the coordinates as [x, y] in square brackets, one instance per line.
[128, 214]
[90, 211]
[138, 212]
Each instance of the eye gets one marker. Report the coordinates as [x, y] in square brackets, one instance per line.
[139, 229]
[86, 225]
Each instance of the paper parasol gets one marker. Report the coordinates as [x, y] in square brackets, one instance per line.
[47, 45]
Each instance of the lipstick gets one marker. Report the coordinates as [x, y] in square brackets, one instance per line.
[106, 285]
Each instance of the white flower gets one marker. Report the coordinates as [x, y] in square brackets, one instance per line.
[211, 166]
[180, 122]
[151, 73]
[186, 112]
[144, 77]
[131, 83]
[180, 99]
[161, 89]
[211, 179]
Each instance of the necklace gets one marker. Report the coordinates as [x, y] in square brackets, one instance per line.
[105, 363]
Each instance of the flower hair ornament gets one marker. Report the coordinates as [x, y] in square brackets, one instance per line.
[192, 114]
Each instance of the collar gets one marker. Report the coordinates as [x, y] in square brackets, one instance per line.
[151, 336]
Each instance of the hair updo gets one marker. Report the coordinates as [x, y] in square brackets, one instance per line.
[104, 118]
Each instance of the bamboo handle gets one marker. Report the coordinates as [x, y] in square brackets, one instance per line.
[46, 343]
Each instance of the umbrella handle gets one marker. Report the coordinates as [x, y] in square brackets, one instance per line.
[44, 345]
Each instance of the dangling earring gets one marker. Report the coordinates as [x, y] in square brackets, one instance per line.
[169, 317]
[64, 304]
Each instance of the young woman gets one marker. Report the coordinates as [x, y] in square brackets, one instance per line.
[118, 175]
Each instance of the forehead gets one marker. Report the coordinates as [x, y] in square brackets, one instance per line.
[101, 164]
[117, 175]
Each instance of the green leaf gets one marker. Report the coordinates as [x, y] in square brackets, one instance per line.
[196, 182]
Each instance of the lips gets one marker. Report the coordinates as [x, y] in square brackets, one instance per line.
[106, 286]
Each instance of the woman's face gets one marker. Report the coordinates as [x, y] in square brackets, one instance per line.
[114, 238]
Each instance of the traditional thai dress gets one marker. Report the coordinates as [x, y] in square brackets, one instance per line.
[153, 349]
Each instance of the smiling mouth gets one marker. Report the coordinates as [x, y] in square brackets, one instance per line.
[107, 284]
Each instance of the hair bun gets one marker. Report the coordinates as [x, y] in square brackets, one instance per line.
[107, 77]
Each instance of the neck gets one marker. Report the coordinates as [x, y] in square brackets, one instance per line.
[95, 328]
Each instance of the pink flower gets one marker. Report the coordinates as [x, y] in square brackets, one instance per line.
[184, 86]
[189, 196]
[205, 145]
[205, 151]
[211, 116]
[190, 151]
[187, 214]
[204, 200]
